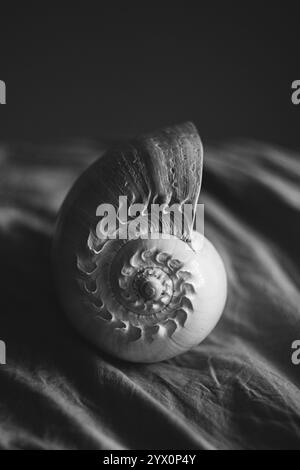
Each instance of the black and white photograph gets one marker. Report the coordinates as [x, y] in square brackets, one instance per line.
[149, 229]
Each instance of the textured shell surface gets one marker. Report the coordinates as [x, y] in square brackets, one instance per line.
[140, 298]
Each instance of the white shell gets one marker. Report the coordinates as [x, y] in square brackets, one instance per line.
[142, 300]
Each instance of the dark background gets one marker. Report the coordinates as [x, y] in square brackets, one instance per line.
[117, 71]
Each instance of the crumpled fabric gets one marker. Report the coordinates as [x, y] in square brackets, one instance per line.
[237, 390]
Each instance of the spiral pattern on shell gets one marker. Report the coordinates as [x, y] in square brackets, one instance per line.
[138, 287]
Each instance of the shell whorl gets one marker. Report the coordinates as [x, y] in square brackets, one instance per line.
[139, 288]
[139, 298]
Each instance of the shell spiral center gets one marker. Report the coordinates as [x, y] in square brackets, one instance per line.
[145, 289]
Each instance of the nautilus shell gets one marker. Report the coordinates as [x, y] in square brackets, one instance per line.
[148, 294]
